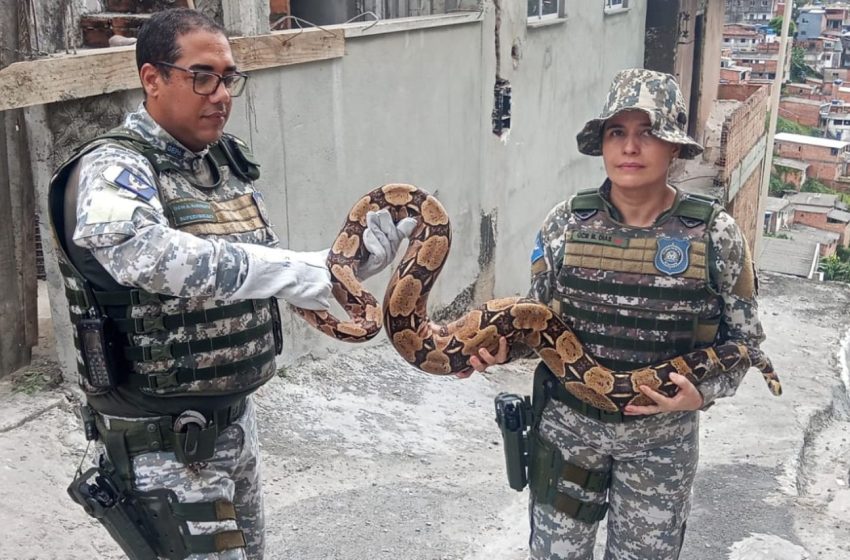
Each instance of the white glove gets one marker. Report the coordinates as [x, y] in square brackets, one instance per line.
[382, 238]
[300, 278]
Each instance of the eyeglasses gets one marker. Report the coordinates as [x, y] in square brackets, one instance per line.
[206, 83]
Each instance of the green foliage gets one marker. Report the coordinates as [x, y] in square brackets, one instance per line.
[843, 253]
[799, 68]
[815, 186]
[776, 25]
[834, 269]
[787, 125]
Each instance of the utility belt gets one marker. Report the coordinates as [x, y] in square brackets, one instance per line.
[154, 524]
[190, 435]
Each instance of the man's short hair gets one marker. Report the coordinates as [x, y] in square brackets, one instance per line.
[157, 40]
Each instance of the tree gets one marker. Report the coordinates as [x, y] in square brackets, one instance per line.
[834, 269]
[799, 68]
[776, 25]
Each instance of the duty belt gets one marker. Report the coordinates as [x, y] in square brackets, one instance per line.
[555, 390]
[190, 435]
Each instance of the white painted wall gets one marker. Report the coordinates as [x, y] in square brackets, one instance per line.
[414, 106]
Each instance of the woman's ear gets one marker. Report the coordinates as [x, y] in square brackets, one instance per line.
[676, 151]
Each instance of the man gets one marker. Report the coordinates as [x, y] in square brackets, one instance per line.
[172, 273]
[643, 272]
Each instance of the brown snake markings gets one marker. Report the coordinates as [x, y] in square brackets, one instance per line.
[445, 349]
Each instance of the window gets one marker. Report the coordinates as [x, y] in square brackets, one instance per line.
[543, 9]
[833, 151]
[616, 6]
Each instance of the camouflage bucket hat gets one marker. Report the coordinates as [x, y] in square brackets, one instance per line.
[655, 93]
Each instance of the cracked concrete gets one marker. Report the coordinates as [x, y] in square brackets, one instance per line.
[366, 458]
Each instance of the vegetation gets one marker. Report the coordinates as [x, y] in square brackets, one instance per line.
[834, 268]
[787, 125]
[776, 25]
[777, 188]
[799, 69]
[815, 186]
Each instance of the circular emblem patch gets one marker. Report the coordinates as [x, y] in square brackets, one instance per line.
[672, 256]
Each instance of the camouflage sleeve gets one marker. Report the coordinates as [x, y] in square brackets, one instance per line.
[121, 221]
[544, 265]
[733, 275]
[544, 262]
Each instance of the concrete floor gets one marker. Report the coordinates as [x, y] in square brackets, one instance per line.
[365, 458]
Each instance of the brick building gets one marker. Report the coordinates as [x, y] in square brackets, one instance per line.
[749, 11]
[828, 158]
[821, 211]
[806, 112]
[741, 37]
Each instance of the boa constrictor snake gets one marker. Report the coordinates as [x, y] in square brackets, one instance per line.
[446, 349]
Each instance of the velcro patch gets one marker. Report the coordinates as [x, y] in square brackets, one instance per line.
[187, 212]
[127, 180]
[599, 238]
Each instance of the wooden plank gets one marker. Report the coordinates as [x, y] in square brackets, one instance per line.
[64, 77]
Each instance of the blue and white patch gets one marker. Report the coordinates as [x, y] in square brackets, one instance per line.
[174, 150]
[672, 255]
[537, 253]
[127, 180]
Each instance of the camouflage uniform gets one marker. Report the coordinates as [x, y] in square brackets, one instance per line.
[611, 282]
[176, 231]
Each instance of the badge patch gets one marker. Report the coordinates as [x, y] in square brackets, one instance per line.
[127, 180]
[672, 255]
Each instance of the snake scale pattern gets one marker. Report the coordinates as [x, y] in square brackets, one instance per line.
[446, 349]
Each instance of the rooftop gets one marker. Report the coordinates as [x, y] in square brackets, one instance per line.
[839, 216]
[792, 163]
[801, 232]
[814, 199]
[775, 204]
[810, 140]
[788, 256]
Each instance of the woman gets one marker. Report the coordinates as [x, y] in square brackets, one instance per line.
[643, 272]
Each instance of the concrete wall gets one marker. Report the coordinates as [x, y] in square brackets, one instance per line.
[414, 106]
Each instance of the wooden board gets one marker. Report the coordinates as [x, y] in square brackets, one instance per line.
[64, 77]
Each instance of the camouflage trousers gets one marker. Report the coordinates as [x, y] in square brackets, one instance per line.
[232, 474]
[652, 462]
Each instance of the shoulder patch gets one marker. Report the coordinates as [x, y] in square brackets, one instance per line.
[537, 252]
[127, 180]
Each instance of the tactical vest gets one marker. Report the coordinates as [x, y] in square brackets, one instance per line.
[636, 296]
[173, 346]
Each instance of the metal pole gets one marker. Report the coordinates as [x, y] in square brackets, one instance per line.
[771, 131]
